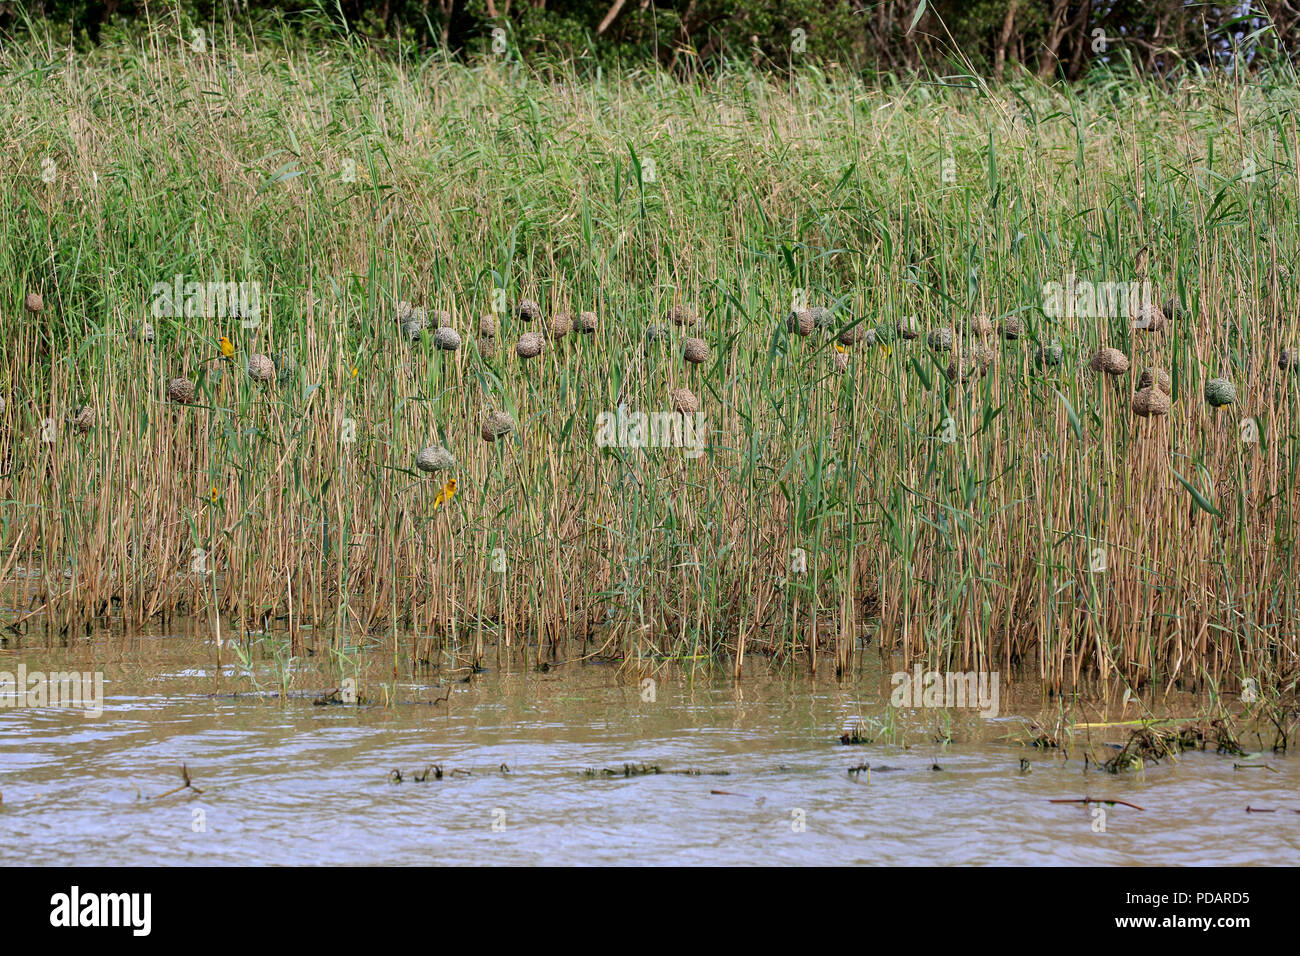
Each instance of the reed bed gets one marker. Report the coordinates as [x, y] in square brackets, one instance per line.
[779, 253]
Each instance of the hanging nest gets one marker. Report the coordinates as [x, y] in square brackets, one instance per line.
[855, 334]
[261, 368]
[1012, 327]
[144, 332]
[285, 367]
[446, 338]
[412, 321]
[1172, 310]
[684, 401]
[841, 362]
[1150, 401]
[975, 361]
[1150, 318]
[85, 419]
[1051, 354]
[1220, 392]
[585, 323]
[979, 324]
[528, 311]
[940, 339]
[1288, 359]
[561, 325]
[180, 391]
[655, 335]
[496, 424]
[1111, 361]
[695, 351]
[487, 327]
[34, 303]
[823, 318]
[1155, 378]
[530, 345]
[435, 458]
[681, 315]
[439, 317]
[800, 322]
[908, 328]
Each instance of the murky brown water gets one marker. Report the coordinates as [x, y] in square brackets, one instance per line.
[294, 783]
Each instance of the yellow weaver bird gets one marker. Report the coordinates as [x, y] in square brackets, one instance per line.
[448, 492]
[839, 348]
[227, 348]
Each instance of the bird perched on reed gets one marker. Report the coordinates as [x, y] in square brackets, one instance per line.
[448, 492]
[227, 348]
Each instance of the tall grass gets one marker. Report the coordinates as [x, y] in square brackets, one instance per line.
[228, 165]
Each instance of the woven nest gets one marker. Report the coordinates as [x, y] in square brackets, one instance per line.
[1173, 310]
[979, 324]
[1150, 401]
[683, 315]
[487, 346]
[1111, 361]
[261, 368]
[695, 351]
[561, 325]
[1288, 359]
[823, 318]
[85, 419]
[435, 458]
[1012, 327]
[1220, 392]
[487, 327]
[1156, 378]
[908, 328]
[855, 334]
[1051, 354]
[496, 424]
[684, 401]
[3, 405]
[940, 339]
[841, 362]
[528, 311]
[800, 322]
[656, 335]
[413, 321]
[530, 345]
[34, 302]
[285, 366]
[974, 362]
[1150, 318]
[586, 323]
[446, 338]
[440, 317]
[180, 391]
[144, 332]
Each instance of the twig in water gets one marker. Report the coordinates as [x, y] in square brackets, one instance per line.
[1111, 803]
[187, 785]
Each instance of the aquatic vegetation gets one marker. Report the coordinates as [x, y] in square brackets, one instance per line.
[921, 463]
